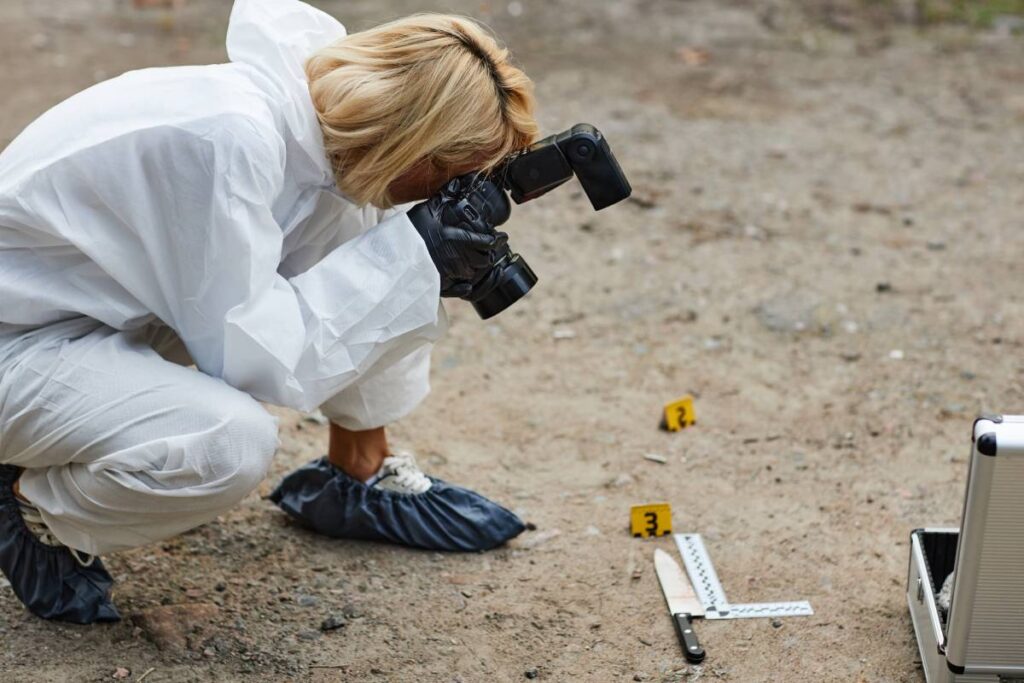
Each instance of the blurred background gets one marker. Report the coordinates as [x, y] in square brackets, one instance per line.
[822, 248]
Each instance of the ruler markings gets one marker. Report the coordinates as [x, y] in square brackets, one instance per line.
[764, 610]
[698, 565]
[712, 595]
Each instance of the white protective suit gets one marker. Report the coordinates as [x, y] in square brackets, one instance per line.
[190, 214]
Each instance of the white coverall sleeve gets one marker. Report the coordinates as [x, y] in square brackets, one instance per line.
[390, 390]
[182, 220]
[385, 394]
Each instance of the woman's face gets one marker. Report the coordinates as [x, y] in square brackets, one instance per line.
[425, 179]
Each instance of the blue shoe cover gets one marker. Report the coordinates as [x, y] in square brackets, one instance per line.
[48, 579]
[445, 517]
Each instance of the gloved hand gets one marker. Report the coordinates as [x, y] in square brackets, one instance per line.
[457, 225]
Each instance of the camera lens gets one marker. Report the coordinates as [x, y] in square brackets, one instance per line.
[515, 280]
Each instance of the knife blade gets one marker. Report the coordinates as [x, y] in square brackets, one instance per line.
[682, 602]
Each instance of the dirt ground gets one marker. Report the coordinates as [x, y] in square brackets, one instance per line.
[823, 248]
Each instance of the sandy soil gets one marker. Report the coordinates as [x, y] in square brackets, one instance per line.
[823, 248]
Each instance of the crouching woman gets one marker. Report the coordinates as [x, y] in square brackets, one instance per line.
[246, 218]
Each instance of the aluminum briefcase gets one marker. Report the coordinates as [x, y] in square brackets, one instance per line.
[981, 639]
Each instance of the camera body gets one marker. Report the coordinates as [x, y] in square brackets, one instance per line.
[581, 151]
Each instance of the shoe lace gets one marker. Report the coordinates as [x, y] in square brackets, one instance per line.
[406, 472]
[34, 521]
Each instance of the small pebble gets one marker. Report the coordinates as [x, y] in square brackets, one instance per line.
[538, 539]
[776, 623]
[621, 481]
[883, 287]
[952, 409]
[307, 600]
[655, 457]
[332, 623]
[531, 673]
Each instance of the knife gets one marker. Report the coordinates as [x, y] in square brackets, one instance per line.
[683, 603]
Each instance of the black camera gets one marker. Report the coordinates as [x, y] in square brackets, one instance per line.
[581, 151]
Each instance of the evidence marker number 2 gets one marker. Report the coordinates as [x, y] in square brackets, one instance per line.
[678, 414]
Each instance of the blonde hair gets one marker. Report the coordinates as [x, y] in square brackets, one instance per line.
[428, 87]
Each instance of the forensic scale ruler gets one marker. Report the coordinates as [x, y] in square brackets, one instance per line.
[709, 589]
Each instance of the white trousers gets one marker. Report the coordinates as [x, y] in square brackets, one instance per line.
[123, 445]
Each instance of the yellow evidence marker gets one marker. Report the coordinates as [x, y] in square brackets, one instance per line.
[679, 414]
[650, 520]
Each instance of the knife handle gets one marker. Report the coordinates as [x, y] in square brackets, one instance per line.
[688, 638]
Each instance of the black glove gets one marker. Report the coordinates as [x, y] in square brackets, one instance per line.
[457, 225]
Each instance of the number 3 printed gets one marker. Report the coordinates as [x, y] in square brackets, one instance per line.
[652, 523]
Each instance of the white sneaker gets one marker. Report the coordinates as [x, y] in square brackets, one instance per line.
[34, 521]
[401, 474]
